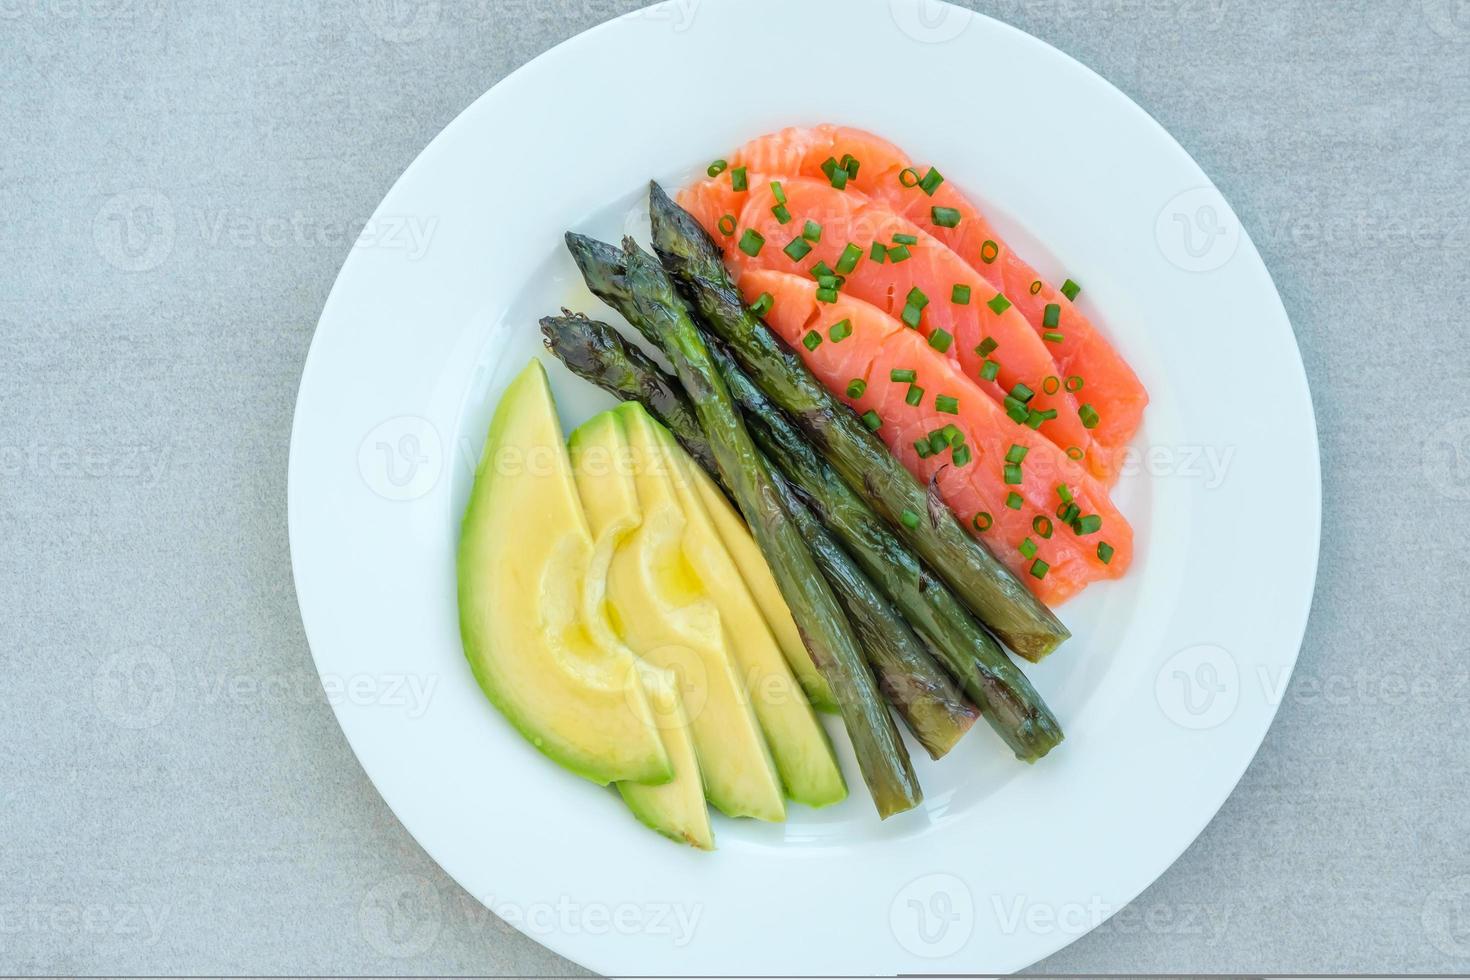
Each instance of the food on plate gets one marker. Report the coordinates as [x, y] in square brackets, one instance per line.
[675, 809]
[880, 170]
[986, 586]
[524, 557]
[596, 351]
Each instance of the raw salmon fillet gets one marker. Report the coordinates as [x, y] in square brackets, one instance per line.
[959, 330]
[1109, 385]
[852, 341]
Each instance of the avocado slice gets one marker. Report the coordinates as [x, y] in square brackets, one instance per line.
[677, 808]
[662, 612]
[799, 744]
[524, 554]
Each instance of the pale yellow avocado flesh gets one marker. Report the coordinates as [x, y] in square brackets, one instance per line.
[798, 742]
[524, 555]
[662, 612]
[677, 808]
[763, 589]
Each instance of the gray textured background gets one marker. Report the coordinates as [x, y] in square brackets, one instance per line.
[179, 183]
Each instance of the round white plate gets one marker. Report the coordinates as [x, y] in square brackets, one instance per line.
[1173, 675]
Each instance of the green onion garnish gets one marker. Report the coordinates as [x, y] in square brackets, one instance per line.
[1017, 453]
[716, 168]
[953, 434]
[947, 404]
[1016, 410]
[1013, 473]
[762, 304]
[872, 420]
[945, 217]
[1064, 492]
[960, 295]
[1074, 383]
[1068, 513]
[999, 304]
[960, 456]
[982, 521]
[856, 387]
[828, 281]
[838, 178]
[1027, 548]
[903, 375]
[1014, 500]
[1073, 452]
[931, 181]
[782, 213]
[752, 242]
[849, 258]
[938, 441]
[878, 252]
[989, 370]
[726, 224]
[1051, 384]
[986, 346]
[917, 298]
[827, 295]
[1052, 337]
[1041, 524]
[912, 315]
[914, 395]
[1052, 315]
[738, 180]
[1088, 525]
[940, 339]
[921, 446]
[908, 177]
[1035, 286]
[797, 249]
[1039, 568]
[989, 251]
[811, 231]
[1088, 415]
[812, 340]
[778, 192]
[840, 331]
[906, 239]
[897, 253]
[910, 519]
[850, 164]
[1022, 394]
[1034, 418]
[1104, 552]
[1070, 289]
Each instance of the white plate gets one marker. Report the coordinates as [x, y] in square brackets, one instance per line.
[1172, 678]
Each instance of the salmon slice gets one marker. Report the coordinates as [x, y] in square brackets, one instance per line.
[1109, 385]
[961, 330]
[1049, 481]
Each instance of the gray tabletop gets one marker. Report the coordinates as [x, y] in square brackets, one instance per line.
[181, 182]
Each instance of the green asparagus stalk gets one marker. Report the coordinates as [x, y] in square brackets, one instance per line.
[829, 638]
[925, 697]
[985, 585]
[1006, 698]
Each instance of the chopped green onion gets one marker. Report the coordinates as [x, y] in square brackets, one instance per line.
[948, 404]
[812, 340]
[822, 269]
[960, 456]
[982, 521]
[1017, 453]
[1068, 513]
[1052, 337]
[897, 253]
[1105, 553]
[953, 434]
[797, 249]
[828, 282]
[989, 370]
[940, 339]
[1034, 418]
[908, 177]
[912, 315]
[1048, 415]
[921, 446]
[838, 177]
[1035, 286]
[1052, 315]
[1074, 383]
[811, 231]
[762, 304]
[1022, 394]
[931, 181]
[910, 519]
[1089, 416]
[1064, 492]
[960, 295]
[914, 395]
[827, 295]
[903, 375]
[1027, 548]
[945, 217]
[917, 298]
[850, 164]
[726, 224]
[849, 258]
[1051, 384]
[872, 420]
[752, 242]
[903, 239]
[1016, 410]
[989, 251]
[1013, 473]
[986, 346]
[738, 180]
[1070, 289]
[1074, 452]
[778, 192]
[1088, 525]
[938, 441]
[1039, 568]
[841, 330]
[878, 252]
[782, 213]
[716, 168]
[856, 387]
[999, 304]
[1041, 524]
[1014, 500]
